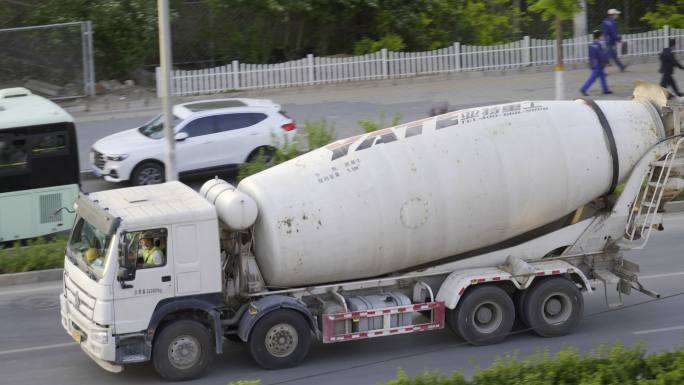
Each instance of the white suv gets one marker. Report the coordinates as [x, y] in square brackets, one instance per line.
[210, 135]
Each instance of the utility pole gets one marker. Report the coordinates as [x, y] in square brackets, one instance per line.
[167, 103]
[580, 21]
[560, 83]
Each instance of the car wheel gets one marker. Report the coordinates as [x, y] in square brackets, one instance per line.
[148, 173]
[267, 154]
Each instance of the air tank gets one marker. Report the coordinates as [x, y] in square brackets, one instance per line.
[416, 193]
[235, 209]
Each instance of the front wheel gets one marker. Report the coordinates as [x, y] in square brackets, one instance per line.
[280, 339]
[147, 173]
[182, 350]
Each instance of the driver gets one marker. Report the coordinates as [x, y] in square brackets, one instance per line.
[151, 255]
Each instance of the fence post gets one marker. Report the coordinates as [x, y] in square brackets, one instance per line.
[236, 74]
[310, 67]
[457, 58]
[526, 51]
[157, 79]
[666, 35]
[88, 59]
[385, 63]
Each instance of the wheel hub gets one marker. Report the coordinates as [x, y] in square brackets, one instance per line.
[149, 175]
[487, 317]
[184, 352]
[557, 308]
[281, 340]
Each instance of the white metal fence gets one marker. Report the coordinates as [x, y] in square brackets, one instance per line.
[54, 60]
[386, 64]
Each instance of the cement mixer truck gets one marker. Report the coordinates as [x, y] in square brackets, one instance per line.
[469, 220]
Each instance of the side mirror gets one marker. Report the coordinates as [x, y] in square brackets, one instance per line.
[181, 136]
[125, 274]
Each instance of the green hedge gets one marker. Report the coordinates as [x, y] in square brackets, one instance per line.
[617, 365]
[36, 255]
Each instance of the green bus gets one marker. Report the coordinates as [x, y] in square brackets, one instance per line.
[39, 168]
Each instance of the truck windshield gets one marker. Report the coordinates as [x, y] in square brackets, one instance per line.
[88, 249]
[154, 129]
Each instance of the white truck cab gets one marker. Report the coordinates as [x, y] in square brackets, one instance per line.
[112, 296]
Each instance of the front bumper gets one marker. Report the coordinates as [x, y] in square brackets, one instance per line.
[81, 329]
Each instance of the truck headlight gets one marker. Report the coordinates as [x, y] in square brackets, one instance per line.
[99, 337]
[117, 158]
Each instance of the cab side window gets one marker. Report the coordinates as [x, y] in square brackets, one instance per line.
[146, 249]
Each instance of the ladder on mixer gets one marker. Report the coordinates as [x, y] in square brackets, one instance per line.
[644, 212]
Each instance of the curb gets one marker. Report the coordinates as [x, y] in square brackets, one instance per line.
[30, 277]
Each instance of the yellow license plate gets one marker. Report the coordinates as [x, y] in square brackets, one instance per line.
[76, 336]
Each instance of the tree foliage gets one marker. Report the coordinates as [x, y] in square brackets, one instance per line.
[666, 14]
[563, 9]
[125, 31]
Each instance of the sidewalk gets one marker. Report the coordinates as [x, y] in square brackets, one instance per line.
[457, 89]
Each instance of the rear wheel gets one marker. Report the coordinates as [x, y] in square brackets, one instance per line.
[280, 339]
[264, 153]
[147, 173]
[485, 315]
[553, 307]
[182, 350]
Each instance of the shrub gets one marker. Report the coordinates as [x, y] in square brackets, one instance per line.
[614, 365]
[369, 125]
[38, 254]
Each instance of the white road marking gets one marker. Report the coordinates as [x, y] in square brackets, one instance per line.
[659, 330]
[664, 275]
[34, 348]
[32, 290]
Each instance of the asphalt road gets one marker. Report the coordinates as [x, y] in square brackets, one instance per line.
[34, 349]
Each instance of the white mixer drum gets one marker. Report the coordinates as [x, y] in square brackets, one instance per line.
[419, 192]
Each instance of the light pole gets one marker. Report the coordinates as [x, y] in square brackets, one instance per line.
[165, 85]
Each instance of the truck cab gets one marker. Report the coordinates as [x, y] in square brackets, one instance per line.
[135, 257]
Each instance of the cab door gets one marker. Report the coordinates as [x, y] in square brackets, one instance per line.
[136, 299]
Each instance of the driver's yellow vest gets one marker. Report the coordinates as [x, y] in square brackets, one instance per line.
[148, 255]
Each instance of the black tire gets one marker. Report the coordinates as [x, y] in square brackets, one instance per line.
[484, 315]
[553, 307]
[182, 350]
[147, 173]
[265, 152]
[281, 339]
[519, 300]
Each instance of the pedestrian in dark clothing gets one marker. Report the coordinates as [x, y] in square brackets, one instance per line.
[597, 61]
[612, 37]
[667, 65]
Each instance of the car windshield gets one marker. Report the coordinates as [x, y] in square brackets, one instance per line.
[154, 129]
[88, 249]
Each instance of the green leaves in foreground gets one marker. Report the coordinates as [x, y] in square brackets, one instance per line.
[616, 365]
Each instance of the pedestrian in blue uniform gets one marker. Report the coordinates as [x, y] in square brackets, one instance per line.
[611, 36]
[597, 61]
